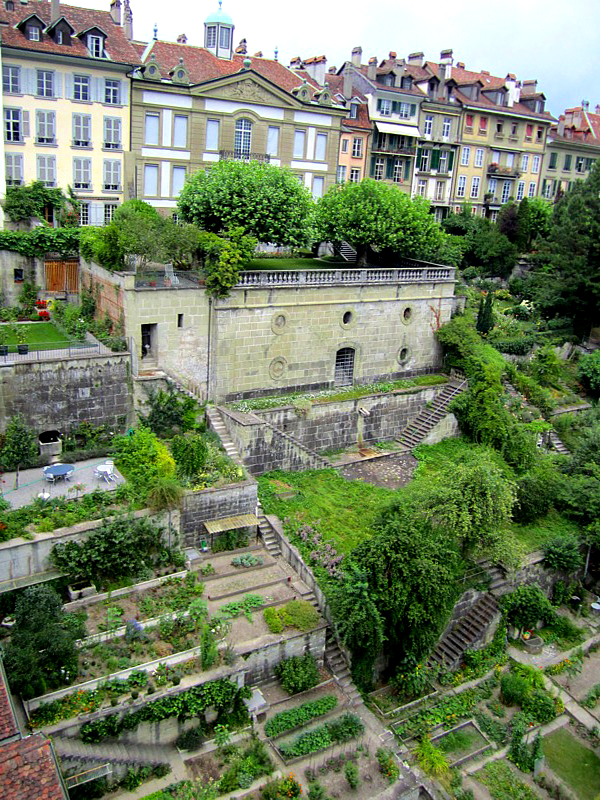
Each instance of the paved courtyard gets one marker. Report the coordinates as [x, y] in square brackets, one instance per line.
[33, 483]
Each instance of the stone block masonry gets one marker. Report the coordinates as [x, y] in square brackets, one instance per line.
[60, 393]
[227, 501]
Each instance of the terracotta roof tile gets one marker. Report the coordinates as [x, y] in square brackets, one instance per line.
[118, 47]
[28, 771]
[8, 724]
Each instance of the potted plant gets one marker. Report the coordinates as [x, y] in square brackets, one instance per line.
[3, 340]
[21, 337]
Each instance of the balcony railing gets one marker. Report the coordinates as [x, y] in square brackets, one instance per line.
[394, 149]
[504, 172]
[408, 271]
[240, 155]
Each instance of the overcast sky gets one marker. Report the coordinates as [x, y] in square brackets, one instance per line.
[554, 41]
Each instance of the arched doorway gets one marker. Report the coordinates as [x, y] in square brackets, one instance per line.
[344, 367]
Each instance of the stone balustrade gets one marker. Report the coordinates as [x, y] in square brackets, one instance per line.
[406, 273]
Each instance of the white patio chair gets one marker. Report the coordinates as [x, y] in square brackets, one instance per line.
[49, 477]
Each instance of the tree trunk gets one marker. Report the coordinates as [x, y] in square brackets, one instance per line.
[361, 255]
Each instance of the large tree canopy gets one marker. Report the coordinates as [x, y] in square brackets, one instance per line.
[568, 285]
[374, 214]
[266, 201]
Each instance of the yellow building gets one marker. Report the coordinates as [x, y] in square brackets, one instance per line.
[66, 100]
[572, 148]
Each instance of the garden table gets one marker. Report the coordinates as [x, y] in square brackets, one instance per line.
[58, 471]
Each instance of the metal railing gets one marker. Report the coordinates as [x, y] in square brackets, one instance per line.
[38, 351]
[240, 155]
[388, 148]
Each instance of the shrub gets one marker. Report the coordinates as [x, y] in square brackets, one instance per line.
[431, 759]
[286, 720]
[513, 689]
[299, 673]
[540, 706]
[351, 773]
[526, 606]
[273, 620]
[589, 372]
[341, 730]
[563, 554]
[387, 764]
[302, 614]
[190, 452]
[536, 491]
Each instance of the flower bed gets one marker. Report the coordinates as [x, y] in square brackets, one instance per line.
[387, 702]
[461, 743]
[288, 720]
[339, 730]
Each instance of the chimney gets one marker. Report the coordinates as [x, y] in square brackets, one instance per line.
[295, 63]
[115, 11]
[416, 59]
[356, 56]
[585, 105]
[55, 10]
[348, 84]
[597, 111]
[460, 64]
[529, 87]
[316, 68]
[446, 61]
[372, 68]
[182, 39]
[127, 21]
[331, 70]
[393, 55]
[511, 84]
[561, 126]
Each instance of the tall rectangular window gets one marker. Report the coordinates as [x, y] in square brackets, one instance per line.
[45, 123]
[535, 165]
[112, 92]
[479, 157]
[341, 174]
[510, 160]
[95, 46]
[439, 191]
[46, 170]
[299, 139]
[13, 125]
[531, 190]
[178, 180]
[318, 185]
[483, 124]
[579, 164]
[273, 141]
[109, 212]
[524, 162]
[465, 156]
[443, 163]
[446, 125]
[14, 169]
[378, 169]
[345, 143]
[553, 161]
[528, 133]
[112, 133]
[81, 88]
[384, 107]
[475, 181]
[320, 149]
[567, 164]
[506, 187]
[493, 186]
[404, 110]
[424, 162]
[211, 36]
[180, 127]
[428, 127]
[45, 83]
[495, 156]
[357, 147]
[461, 186]
[82, 130]
[151, 129]
[397, 172]
[212, 134]
[82, 173]
[84, 213]
[11, 79]
[520, 191]
[112, 175]
[224, 38]
[422, 188]
[354, 175]
[150, 180]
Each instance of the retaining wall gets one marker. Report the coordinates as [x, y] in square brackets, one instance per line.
[228, 501]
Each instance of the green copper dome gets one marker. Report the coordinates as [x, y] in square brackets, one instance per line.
[218, 18]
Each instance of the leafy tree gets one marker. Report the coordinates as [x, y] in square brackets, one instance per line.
[488, 248]
[190, 452]
[563, 554]
[526, 606]
[171, 412]
[546, 366]
[22, 203]
[508, 221]
[567, 283]
[267, 202]
[374, 214]
[19, 448]
[540, 218]
[589, 372]
[223, 272]
[41, 654]
[485, 317]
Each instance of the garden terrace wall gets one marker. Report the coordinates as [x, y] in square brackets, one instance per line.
[333, 426]
[24, 560]
[227, 501]
[33, 272]
[63, 391]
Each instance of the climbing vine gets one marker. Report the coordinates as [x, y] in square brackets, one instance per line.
[41, 241]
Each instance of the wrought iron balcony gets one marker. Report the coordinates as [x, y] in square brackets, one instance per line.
[397, 150]
[241, 155]
[503, 172]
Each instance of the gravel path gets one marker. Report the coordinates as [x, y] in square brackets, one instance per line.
[389, 472]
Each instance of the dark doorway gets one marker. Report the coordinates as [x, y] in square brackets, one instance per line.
[344, 367]
[148, 341]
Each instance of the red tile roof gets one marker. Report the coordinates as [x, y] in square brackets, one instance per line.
[118, 47]
[28, 771]
[8, 724]
[203, 66]
[586, 132]
[335, 83]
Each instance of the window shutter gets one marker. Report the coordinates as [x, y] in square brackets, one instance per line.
[413, 109]
[451, 160]
[25, 123]
[76, 126]
[406, 169]
[124, 92]
[373, 164]
[58, 84]
[379, 105]
[29, 81]
[97, 90]
[419, 154]
[395, 107]
[69, 86]
[435, 159]
[51, 169]
[52, 125]
[544, 186]
[389, 168]
[106, 173]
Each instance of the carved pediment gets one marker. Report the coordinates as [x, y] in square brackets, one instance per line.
[246, 89]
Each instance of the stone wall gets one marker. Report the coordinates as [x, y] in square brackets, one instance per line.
[447, 428]
[333, 426]
[61, 392]
[33, 271]
[228, 501]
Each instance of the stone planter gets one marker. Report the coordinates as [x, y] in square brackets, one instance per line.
[533, 645]
[50, 443]
[22, 349]
[79, 591]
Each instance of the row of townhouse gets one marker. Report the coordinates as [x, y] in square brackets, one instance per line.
[87, 106]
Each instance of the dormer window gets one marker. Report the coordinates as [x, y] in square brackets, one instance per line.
[211, 36]
[224, 38]
[34, 33]
[353, 110]
[388, 80]
[59, 37]
[9, 5]
[406, 82]
[95, 45]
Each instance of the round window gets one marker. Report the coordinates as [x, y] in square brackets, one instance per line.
[407, 314]
[403, 355]
[278, 323]
[277, 367]
[347, 318]
[181, 74]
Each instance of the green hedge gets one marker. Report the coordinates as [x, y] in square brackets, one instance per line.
[286, 720]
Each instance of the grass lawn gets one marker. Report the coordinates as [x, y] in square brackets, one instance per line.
[534, 535]
[39, 336]
[295, 263]
[343, 511]
[575, 764]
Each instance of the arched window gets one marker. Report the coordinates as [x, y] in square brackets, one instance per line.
[243, 138]
[344, 367]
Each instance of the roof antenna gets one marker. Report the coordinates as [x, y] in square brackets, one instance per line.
[155, 31]
[276, 53]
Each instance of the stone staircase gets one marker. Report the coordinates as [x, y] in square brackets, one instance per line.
[215, 421]
[465, 634]
[428, 418]
[268, 536]
[185, 386]
[347, 252]
[75, 751]
[334, 659]
[556, 442]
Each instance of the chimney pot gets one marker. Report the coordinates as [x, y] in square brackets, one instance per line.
[182, 38]
[115, 11]
[356, 56]
[597, 109]
[393, 54]
[447, 55]
[416, 59]
[460, 64]
[372, 68]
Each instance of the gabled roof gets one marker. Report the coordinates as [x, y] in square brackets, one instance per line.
[203, 66]
[118, 48]
[8, 724]
[56, 22]
[586, 132]
[336, 85]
